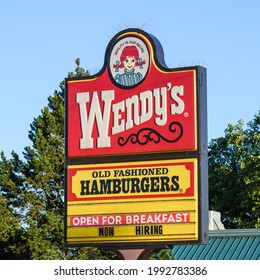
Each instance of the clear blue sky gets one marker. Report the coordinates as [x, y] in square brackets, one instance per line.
[40, 41]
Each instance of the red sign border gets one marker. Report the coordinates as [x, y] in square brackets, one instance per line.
[188, 165]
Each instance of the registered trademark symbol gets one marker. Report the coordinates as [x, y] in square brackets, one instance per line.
[186, 114]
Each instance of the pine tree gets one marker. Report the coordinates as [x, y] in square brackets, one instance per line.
[35, 186]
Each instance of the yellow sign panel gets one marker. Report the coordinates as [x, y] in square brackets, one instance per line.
[151, 201]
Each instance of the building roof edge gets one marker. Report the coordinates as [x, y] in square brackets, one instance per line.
[235, 232]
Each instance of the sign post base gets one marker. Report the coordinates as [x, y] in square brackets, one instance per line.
[135, 254]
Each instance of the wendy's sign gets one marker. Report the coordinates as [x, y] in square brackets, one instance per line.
[135, 104]
[136, 150]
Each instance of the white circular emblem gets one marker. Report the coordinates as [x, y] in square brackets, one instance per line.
[129, 61]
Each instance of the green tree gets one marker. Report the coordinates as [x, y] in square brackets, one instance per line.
[234, 175]
[12, 233]
[165, 254]
[34, 188]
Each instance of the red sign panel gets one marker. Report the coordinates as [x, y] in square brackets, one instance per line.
[110, 115]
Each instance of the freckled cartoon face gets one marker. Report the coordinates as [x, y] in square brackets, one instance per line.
[129, 63]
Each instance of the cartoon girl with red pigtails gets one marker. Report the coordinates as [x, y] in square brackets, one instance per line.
[129, 59]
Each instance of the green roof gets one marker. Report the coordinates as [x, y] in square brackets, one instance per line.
[241, 244]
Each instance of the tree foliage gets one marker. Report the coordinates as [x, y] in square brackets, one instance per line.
[164, 254]
[32, 191]
[234, 175]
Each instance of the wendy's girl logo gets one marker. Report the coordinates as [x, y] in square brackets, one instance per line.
[129, 62]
